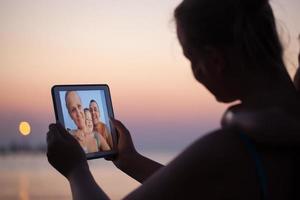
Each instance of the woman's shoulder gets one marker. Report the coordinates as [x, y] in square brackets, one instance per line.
[274, 125]
[225, 152]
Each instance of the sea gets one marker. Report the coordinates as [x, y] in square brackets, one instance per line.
[28, 176]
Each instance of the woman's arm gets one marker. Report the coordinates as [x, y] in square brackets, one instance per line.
[129, 160]
[83, 184]
[66, 156]
[139, 167]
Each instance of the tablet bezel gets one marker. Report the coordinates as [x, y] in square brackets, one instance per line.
[85, 87]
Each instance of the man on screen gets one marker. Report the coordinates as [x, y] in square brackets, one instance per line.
[99, 127]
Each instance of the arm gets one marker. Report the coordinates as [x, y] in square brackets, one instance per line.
[139, 167]
[214, 167]
[129, 160]
[66, 156]
[83, 185]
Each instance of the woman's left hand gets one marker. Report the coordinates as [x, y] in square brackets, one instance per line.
[64, 152]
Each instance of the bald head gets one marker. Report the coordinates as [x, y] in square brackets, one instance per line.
[75, 108]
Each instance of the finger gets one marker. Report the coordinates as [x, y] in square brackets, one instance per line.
[54, 131]
[49, 140]
[121, 129]
[52, 142]
[62, 130]
[52, 135]
[49, 137]
[64, 133]
[67, 136]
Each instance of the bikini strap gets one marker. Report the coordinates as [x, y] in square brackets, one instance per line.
[260, 171]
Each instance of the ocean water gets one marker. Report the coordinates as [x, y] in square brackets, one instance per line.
[31, 177]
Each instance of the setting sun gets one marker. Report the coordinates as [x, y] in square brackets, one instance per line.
[24, 128]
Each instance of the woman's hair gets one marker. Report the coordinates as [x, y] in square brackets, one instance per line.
[246, 26]
[86, 110]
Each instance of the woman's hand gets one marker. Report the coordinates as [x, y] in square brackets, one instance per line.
[129, 160]
[126, 149]
[64, 152]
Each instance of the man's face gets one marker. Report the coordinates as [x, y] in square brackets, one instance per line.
[75, 109]
[89, 121]
[95, 113]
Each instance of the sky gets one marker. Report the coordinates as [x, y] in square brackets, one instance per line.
[131, 46]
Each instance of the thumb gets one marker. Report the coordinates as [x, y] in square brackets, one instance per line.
[121, 129]
[63, 132]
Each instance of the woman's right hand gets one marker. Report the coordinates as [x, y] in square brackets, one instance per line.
[64, 152]
[126, 150]
[128, 159]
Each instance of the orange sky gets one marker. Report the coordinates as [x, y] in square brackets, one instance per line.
[130, 45]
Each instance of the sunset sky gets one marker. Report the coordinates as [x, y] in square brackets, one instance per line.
[130, 45]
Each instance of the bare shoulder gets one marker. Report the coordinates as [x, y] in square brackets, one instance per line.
[213, 167]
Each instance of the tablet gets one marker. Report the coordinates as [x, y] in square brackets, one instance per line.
[84, 111]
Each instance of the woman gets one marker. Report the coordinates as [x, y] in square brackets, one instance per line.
[95, 141]
[235, 52]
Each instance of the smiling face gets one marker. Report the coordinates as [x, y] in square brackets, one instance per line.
[94, 109]
[75, 109]
[88, 120]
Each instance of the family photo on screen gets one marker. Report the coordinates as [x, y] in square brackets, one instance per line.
[92, 134]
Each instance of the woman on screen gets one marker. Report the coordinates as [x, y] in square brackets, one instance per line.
[95, 141]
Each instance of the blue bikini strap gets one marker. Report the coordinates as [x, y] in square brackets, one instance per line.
[258, 165]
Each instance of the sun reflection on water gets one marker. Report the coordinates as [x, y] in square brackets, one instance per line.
[23, 187]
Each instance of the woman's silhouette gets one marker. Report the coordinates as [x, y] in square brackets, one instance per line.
[235, 52]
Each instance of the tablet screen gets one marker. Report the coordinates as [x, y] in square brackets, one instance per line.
[85, 115]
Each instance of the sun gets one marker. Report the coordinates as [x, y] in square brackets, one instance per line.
[24, 128]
